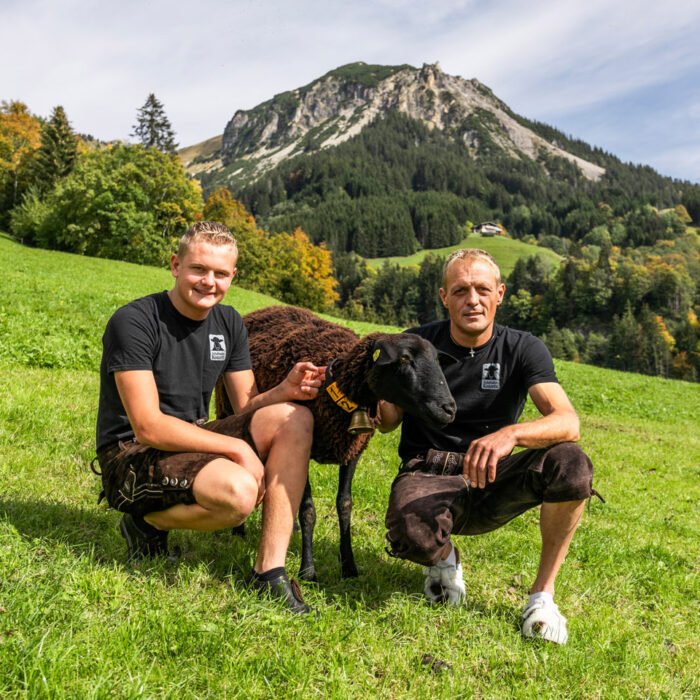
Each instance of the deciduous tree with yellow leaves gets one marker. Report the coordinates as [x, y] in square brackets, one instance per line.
[285, 265]
[20, 136]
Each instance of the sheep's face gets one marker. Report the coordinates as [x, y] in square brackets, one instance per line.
[406, 372]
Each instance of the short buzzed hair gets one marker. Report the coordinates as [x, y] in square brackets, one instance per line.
[209, 232]
[469, 254]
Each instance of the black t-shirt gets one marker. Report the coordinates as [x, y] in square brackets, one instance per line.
[490, 387]
[185, 356]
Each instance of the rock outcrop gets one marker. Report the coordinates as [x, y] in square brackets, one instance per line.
[337, 106]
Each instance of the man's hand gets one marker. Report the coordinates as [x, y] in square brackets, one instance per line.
[303, 381]
[301, 384]
[389, 416]
[559, 423]
[482, 457]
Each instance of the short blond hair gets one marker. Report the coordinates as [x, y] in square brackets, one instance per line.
[469, 254]
[209, 232]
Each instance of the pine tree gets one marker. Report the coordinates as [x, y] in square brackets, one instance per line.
[153, 127]
[57, 152]
[626, 346]
[429, 306]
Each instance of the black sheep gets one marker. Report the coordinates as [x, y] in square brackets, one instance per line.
[401, 368]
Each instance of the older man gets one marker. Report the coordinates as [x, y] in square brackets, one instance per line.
[465, 479]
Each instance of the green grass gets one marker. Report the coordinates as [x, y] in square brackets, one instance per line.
[506, 251]
[77, 622]
[56, 305]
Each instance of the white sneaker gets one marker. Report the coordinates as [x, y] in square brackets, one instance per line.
[444, 583]
[541, 618]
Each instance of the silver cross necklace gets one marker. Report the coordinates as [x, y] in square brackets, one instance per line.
[471, 350]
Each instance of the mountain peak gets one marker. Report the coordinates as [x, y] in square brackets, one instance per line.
[339, 104]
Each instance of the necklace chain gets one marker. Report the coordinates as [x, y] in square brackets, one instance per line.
[472, 353]
[471, 350]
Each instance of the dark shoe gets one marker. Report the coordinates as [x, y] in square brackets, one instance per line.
[140, 544]
[284, 589]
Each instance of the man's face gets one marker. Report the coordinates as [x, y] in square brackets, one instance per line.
[471, 296]
[202, 278]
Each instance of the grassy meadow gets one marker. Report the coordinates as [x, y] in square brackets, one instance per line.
[505, 250]
[77, 622]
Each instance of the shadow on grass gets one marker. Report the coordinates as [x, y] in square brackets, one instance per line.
[93, 531]
[383, 579]
[378, 580]
[79, 528]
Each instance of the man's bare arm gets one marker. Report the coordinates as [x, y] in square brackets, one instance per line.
[301, 384]
[139, 394]
[559, 423]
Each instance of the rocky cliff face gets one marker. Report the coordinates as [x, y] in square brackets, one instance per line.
[337, 106]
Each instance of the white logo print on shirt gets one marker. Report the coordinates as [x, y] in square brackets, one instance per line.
[217, 347]
[491, 375]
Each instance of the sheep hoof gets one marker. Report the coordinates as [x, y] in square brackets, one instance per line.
[308, 574]
[349, 570]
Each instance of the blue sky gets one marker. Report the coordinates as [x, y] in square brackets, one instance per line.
[621, 75]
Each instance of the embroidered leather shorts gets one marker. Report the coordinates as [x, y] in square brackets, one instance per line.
[431, 499]
[138, 479]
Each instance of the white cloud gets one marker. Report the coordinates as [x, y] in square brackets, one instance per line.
[588, 52]
[555, 60]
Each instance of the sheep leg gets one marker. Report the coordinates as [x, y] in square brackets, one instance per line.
[307, 522]
[343, 504]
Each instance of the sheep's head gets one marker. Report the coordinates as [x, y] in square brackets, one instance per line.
[405, 371]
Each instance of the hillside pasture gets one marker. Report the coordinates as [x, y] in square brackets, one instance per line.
[77, 622]
[506, 251]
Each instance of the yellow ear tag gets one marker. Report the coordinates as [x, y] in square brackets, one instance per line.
[377, 352]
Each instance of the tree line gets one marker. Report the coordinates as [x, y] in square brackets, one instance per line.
[132, 202]
[634, 312]
[398, 186]
[630, 312]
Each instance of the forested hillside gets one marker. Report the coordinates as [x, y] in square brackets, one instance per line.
[625, 297]
[399, 185]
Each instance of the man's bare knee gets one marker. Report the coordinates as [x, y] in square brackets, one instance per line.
[299, 425]
[241, 496]
[227, 489]
[286, 423]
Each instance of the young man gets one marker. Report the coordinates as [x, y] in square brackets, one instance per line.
[162, 465]
[490, 370]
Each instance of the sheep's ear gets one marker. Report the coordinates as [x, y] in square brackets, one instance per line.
[385, 353]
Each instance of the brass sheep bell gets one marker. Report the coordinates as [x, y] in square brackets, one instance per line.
[360, 422]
